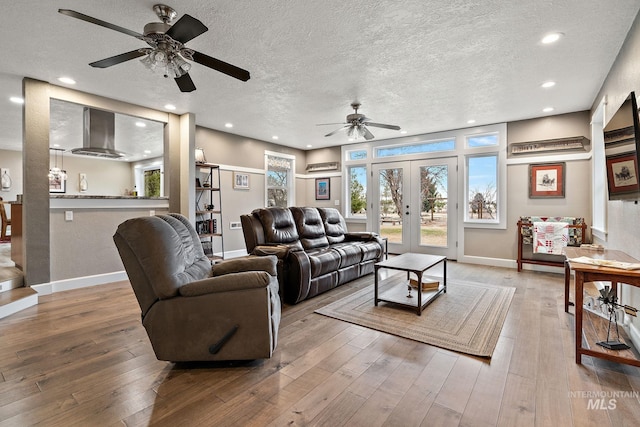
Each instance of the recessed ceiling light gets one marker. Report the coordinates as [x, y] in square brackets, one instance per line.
[170, 107]
[403, 132]
[228, 125]
[551, 38]
[67, 80]
[147, 152]
[141, 124]
[309, 145]
[470, 122]
[350, 139]
[274, 137]
[56, 145]
[548, 84]
[548, 110]
[16, 99]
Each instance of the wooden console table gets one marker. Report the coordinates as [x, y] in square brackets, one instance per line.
[592, 273]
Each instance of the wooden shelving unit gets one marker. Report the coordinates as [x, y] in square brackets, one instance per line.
[209, 210]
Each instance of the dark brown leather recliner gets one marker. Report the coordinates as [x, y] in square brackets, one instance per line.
[315, 251]
[190, 310]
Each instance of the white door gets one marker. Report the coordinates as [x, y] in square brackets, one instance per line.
[415, 204]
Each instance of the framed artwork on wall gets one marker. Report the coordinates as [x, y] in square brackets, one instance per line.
[546, 180]
[323, 190]
[622, 173]
[240, 181]
[58, 182]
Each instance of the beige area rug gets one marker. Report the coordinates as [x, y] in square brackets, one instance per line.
[467, 319]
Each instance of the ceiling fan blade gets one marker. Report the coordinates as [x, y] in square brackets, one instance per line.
[380, 125]
[100, 22]
[223, 67]
[118, 59]
[186, 28]
[326, 124]
[367, 135]
[185, 83]
[338, 130]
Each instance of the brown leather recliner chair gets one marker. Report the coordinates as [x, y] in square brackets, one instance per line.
[190, 310]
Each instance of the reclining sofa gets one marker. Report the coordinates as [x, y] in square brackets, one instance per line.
[315, 252]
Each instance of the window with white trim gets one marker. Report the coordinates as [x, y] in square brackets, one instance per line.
[482, 188]
[279, 180]
[357, 192]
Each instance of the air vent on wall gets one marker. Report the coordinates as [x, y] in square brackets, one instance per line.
[327, 166]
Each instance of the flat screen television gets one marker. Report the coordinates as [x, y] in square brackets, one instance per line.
[621, 146]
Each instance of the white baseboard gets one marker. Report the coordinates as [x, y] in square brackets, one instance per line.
[235, 254]
[18, 305]
[79, 282]
[509, 263]
[494, 262]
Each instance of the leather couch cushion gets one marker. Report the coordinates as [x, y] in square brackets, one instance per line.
[323, 261]
[278, 226]
[335, 226]
[310, 227]
[350, 254]
[370, 250]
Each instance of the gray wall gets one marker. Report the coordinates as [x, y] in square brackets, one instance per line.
[624, 216]
[577, 200]
[239, 152]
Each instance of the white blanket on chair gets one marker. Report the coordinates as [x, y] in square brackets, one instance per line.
[550, 237]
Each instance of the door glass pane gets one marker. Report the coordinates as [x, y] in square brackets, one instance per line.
[433, 205]
[391, 204]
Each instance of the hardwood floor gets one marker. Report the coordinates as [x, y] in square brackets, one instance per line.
[82, 358]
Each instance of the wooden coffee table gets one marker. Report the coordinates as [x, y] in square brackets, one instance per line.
[402, 293]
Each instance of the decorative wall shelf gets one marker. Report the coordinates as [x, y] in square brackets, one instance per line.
[576, 143]
[327, 166]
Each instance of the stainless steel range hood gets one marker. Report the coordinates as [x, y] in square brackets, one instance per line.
[98, 135]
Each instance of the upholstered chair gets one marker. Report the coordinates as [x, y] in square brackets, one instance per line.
[191, 310]
[4, 221]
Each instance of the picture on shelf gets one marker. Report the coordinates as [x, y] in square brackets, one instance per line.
[546, 180]
[323, 188]
[622, 173]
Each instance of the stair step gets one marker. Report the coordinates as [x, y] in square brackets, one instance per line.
[10, 278]
[15, 300]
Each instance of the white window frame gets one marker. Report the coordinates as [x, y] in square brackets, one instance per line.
[467, 196]
[600, 197]
[291, 181]
[461, 151]
[347, 203]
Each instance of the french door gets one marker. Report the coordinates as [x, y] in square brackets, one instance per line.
[414, 205]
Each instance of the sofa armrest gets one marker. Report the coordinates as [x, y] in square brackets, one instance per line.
[229, 282]
[280, 251]
[249, 263]
[362, 236]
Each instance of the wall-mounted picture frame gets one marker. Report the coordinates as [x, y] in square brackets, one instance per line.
[241, 181]
[546, 180]
[622, 173]
[57, 183]
[323, 188]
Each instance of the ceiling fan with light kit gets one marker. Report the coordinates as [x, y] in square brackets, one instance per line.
[356, 125]
[166, 52]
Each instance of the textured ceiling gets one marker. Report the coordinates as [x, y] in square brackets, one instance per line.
[423, 65]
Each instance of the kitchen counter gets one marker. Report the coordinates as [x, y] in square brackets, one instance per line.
[81, 201]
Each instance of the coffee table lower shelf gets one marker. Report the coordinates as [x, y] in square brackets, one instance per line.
[398, 294]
